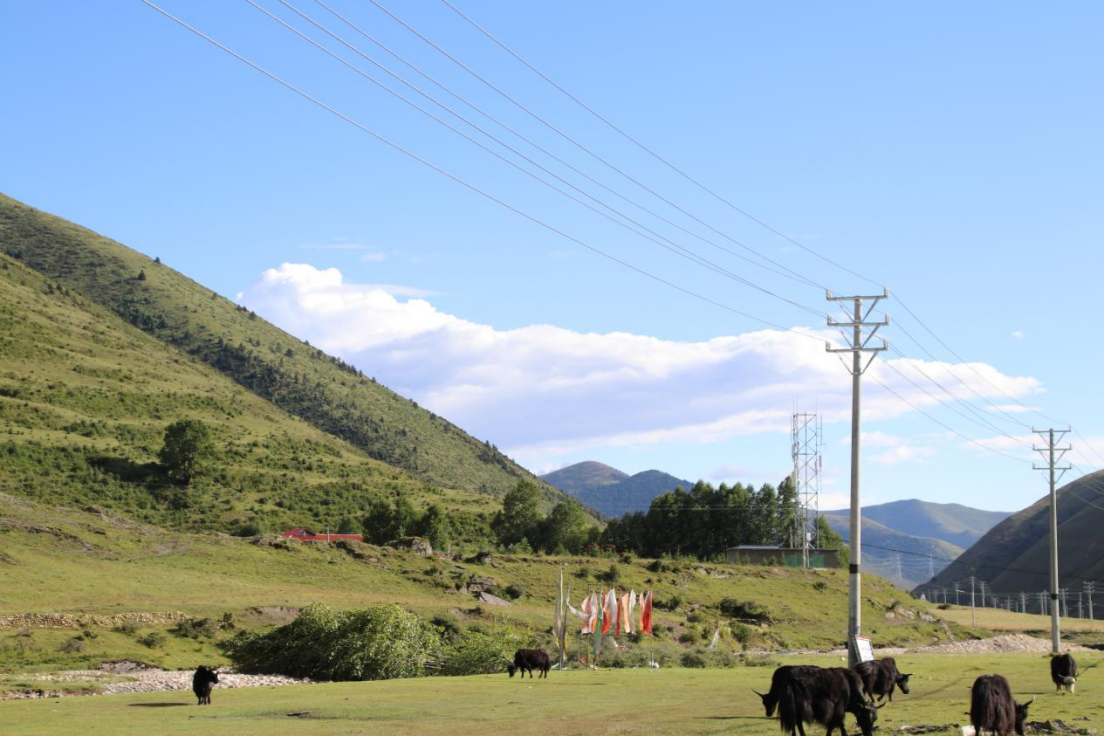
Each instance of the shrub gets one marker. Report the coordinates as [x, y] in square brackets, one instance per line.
[744, 610]
[694, 659]
[611, 576]
[195, 628]
[446, 626]
[72, 646]
[668, 604]
[127, 627]
[820, 586]
[514, 591]
[376, 643]
[153, 640]
[481, 652]
[88, 634]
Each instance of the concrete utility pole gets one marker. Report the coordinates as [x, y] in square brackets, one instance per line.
[973, 621]
[858, 342]
[1023, 602]
[1053, 455]
[1089, 588]
[982, 584]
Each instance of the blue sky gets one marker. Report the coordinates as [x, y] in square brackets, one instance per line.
[952, 153]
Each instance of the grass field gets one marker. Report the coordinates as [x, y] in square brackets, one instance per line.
[993, 619]
[676, 701]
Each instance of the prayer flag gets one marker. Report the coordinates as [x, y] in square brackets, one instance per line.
[646, 614]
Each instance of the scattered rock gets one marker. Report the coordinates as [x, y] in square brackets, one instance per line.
[492, 600]
[479, 585]
[299, 714]
[75, 621]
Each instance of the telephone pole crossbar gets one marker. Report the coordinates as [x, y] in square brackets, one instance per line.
[858, 310]
[1053, 455]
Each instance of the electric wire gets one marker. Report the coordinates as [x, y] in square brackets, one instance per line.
[653, 236]
[652, 153]
[521, 136]
[425, 162]
[576, 143]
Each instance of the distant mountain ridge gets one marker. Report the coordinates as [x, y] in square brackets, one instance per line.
[584, 476]
[610, 491]
[1013, 556]
[910, 541]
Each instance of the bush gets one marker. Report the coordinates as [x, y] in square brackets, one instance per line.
[820, 586]
[153, 640]
[376, 643]
[195, 628]
[127, 627]
[744, 610]
[514, 591]
[693, 659]
[72, 646]
[611, 576]
[668, 604]
[481, 652]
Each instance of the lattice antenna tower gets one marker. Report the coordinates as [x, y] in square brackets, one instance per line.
[807, 439]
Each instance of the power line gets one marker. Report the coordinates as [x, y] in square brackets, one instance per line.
[654, 237]
[652, 153]
[574, 142]
[795, 277]
[620, 131]
[465, 184]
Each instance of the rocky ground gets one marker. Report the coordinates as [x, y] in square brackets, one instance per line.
[132, 677]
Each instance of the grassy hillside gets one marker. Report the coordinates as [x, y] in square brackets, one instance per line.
[1014, 555]
[84, 401]
[88, 562]
[300, 379]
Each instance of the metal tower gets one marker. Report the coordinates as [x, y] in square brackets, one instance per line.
[807, 439]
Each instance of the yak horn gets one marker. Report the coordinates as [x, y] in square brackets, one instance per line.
[1032, 699]
[761, 695]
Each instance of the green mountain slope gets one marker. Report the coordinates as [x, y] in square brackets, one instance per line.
[952, 522]
[1014, 555]
[610, 491]
[84, 402]
[300, 379]
[583, 476]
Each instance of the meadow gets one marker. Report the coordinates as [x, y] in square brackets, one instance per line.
[663, 701]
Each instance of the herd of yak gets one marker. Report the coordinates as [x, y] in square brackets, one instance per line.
[807, 694]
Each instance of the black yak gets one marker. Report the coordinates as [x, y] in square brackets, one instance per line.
[203, 681]
[1063, 670]
[528, 660]
[880, 677]
[779, 680]
[992, 708]
[824, 696]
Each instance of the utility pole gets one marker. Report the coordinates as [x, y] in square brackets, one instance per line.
[1043, 602]
[973, 621]
[1089, 588]
[1023, 602]
[1080, 611]
[858, 342]
[982, 584]
[1053, 455]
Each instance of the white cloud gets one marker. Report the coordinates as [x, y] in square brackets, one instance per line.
[373, 256]
[542, 392]
[1019, 334]
[902, 453]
